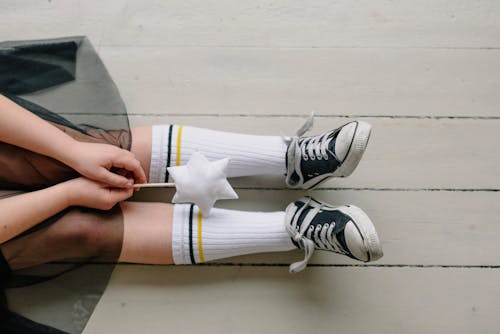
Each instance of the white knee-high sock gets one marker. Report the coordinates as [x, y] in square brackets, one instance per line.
[173, 145]
[225, 233]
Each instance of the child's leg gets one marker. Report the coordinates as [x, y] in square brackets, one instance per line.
[158, 233]
[147, 236]
[145, 233]
[162, 233]
[141, 147]
[163, 146]
[306, 161]
[173, 145]
[74, 234]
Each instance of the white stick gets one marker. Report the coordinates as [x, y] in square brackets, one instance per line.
[154, 185]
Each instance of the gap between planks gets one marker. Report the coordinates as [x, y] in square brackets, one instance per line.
[430, 117]
[314, 265]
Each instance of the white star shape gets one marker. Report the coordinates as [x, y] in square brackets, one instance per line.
[201, 182]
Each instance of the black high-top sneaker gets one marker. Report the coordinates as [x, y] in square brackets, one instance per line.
[312, 160]
[344, 229]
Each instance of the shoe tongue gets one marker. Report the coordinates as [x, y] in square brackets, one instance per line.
[341, 221]
[341, 239]
[308, 214]
[332, 216]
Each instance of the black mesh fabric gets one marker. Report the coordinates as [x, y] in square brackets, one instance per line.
[12, 323]
[5, 273]
[64, 76]
[64, 82]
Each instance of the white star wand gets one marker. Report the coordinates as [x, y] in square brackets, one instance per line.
[200, 181]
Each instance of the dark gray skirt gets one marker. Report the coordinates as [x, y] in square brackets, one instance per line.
[64, 82]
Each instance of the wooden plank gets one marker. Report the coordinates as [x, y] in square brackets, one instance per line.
[402, 153]
[291, 81]
[152, 299]
[416, 228]
[323, 23]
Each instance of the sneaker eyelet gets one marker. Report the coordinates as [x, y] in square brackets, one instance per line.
[311, 228]
[313, 158]
[320, 158]
[305, 158]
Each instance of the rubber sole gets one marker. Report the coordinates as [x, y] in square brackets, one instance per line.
[367, 229]
[358, 146]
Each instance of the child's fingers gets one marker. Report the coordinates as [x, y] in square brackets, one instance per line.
[114, 180]
[121, 194]
[130, 163]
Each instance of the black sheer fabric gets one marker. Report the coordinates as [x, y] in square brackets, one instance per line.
[64, 82]
[5, 272]
[12, 323]
[64, 76]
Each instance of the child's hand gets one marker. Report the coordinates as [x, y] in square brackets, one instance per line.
[95, 161]
[92, 194]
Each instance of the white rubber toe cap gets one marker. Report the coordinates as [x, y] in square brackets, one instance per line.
[355, 242]
[362, 238]
[344, 140]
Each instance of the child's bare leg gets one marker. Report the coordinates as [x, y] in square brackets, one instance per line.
[143, 233]
[147, 234]
[159, 233]
[134, 232]
[141, 146]
[78, 234]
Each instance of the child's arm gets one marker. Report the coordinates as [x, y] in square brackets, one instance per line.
[21, 128]
[20, 213]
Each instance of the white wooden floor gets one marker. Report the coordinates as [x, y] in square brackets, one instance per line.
[426, 74]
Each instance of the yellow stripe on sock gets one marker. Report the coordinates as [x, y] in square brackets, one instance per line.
[178, 153]
[200, 247]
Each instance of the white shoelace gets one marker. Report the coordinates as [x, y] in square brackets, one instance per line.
[308, 124]
[293, 160]
[322, 234]
[315, 147]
